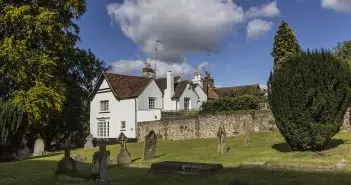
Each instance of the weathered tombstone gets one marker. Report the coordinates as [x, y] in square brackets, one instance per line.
[100, 165]
[248, 133]
[150, 146]
[67, 163]
[124, 157]
[23, 151]
[221, 135]
[89, 142]
[39, 147]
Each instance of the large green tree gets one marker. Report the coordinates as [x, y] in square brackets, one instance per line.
[41, 69]
[309, 97]
[343, 51]
[285, 44]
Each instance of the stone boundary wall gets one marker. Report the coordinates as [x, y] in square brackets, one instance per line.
[207, 126]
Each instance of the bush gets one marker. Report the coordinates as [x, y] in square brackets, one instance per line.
[309, 97]
[245, 102]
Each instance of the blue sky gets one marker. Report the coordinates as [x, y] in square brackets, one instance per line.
[215, 36]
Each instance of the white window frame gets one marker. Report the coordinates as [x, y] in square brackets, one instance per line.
[104, 106]
[188, 100]
[155, 102]
[123, 126]
[103, 129]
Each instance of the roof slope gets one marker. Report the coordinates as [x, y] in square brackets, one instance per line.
[162, 83]
[127, 86]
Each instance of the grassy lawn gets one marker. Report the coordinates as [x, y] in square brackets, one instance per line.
[268, 147]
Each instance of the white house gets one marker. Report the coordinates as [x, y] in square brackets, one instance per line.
[118, 102]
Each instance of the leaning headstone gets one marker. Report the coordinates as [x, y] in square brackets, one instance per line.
[124, 157]
[248, 133]
[67, 163]
[221, 135]
[100, 165]
[39, 147]
[23, 151]
[89, 142]
[150, 146]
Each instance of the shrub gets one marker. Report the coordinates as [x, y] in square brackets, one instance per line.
[245, 102]
[309, 97]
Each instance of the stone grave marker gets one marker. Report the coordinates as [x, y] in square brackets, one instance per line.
[150, 146]
[89, 142]
[248, 133]
[187, 168]
[24, 151]
[100, 165]
[124, 157]
[39, 147]
[67, 163]
[221, 135]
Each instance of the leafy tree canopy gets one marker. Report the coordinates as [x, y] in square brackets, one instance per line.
[41, 69]
[285, 44]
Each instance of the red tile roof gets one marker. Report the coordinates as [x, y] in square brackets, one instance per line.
[127, 86]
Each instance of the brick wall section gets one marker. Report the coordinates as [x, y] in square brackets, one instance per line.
[207, 126]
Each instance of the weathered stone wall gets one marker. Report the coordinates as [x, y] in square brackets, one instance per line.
[207, 126]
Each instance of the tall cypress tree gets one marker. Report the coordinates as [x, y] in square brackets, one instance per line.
[285, 44]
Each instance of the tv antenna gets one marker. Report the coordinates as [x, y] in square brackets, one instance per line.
[156, 45]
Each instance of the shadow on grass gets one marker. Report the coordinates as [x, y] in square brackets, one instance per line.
[157, 156]
[332, 143]
[42, 172]
[47, 155]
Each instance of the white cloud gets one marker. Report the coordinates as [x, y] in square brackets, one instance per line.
[338, 5]
[183, 26]
[256, 28]
[266, 10]
[134, 67]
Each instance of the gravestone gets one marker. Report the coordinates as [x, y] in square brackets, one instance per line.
[39, 147]
[89, 142]
[124, 157]
[67, 163]
[150, 146]
[221, 135]
[248, 133]
[100, 165]
[184, 167]
[23, 151]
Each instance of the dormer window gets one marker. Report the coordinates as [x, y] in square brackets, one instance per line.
[104, 107]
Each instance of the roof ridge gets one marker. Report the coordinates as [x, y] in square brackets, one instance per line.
[125, 75]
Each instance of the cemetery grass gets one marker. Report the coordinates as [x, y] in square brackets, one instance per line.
[267, 147]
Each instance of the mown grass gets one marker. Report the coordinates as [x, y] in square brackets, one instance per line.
[268, 147]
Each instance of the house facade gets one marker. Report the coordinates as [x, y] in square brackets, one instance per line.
[119, 102]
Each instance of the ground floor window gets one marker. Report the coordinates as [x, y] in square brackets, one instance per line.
[123, 125]
[103, 129]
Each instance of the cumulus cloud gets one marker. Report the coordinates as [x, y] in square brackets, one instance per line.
[183, 26]
[256, 28]
[338, 5]
[128, 67]
[266, 10]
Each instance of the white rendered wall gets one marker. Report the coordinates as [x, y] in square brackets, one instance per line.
[188, 93]
[104, 85]
[151, 90]
[202, 95]
[149, 115]
[123, 110]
